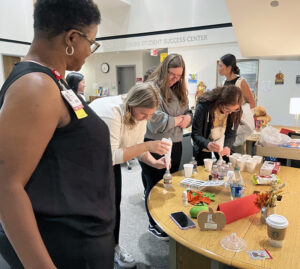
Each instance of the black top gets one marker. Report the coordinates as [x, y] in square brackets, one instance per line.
[73, 182]
[202, 124]
[231, 82]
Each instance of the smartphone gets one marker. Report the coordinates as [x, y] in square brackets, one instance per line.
[182, 220]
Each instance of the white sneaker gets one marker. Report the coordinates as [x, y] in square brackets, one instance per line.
[123, 258]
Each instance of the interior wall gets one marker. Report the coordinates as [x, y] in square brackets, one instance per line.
[94, 77]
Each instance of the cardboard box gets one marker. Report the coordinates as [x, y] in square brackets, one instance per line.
[269, 168]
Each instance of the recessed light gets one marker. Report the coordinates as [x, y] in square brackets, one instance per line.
[274, 3]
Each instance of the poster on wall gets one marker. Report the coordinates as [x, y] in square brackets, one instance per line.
[193, 78]
[279, 78]
[163, 55]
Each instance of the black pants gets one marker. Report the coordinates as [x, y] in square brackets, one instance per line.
[153, 175]
[68, 249]
[118, 196]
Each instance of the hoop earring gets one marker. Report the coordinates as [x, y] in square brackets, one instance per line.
[69, 53]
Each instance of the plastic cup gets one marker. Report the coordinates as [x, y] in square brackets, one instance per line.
[208, 163]
[277, 226]
[251, 165]
[258, 159]
[246, 156]
[233, 159]
[241, 163]
[237, 155]
[188, 169]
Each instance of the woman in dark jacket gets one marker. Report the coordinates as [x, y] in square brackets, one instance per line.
[215, 122]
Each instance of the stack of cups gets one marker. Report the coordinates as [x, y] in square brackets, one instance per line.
[251, 165]
[258, 159]
[233, 159]
[277, 226]
[241, 163]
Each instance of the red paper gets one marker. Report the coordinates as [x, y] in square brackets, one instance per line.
[239, 208]
[286, 131]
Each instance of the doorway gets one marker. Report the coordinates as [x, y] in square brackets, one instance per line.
[9, 63]
[126, 78]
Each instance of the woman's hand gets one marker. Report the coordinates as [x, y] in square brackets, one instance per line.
[161, 163]
[158, 147]
[225, 151]
[178, 120]
[186, 119]
[214, 147]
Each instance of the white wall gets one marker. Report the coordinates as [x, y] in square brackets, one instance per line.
[93, 75]
[276, 98]
[16, 23]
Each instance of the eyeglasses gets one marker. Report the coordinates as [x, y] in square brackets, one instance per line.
[93, 43]
[227, 110]
[172, 75]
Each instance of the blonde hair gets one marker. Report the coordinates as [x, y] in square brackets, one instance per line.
[143, 95]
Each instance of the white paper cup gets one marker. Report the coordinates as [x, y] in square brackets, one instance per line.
[246, 156]
[251, 165]
[277, 226]
[258, 159]
[233, 160]
[241, 163]
[237, 155]
[208, 163]
[188, 169]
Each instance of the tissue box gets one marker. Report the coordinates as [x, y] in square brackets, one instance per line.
[269, 168]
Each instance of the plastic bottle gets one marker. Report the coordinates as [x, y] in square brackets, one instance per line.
[214, 172]
[194, 162]
[167, 179]
[185, 201]
[237, 184]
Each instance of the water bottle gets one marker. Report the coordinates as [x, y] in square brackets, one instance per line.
[185, 201]
[167, 179]
[237, 184]
[214, 172]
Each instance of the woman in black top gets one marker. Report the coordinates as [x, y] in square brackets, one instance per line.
[215, 122]
[76, 82]
[56, 179]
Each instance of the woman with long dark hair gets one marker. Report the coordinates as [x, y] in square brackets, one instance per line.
[215, 122]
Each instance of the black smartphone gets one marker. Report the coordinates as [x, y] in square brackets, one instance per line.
[182, 220]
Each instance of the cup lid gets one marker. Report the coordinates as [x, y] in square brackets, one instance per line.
[277, 221]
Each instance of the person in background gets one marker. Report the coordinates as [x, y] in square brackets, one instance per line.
[215, 122]
[171, 117]
[126, 117]
[228, 68]
[56, 178]
[77, 83]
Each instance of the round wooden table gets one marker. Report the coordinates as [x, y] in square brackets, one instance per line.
[193, 247]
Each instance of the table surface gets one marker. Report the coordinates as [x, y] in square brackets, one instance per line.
[162, 202]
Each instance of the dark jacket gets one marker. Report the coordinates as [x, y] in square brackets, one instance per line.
[202, 124]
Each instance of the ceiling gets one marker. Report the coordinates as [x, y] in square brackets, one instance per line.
[264, 31]
[106, 4]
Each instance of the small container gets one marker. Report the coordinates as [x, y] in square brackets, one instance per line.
[167, 179]
[214, 172]
[185, 201]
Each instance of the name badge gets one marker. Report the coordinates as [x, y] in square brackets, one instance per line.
[74, 102]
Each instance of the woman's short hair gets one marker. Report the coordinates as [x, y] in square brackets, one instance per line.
[73, 79]
[53, 17]
[143, 95]
[230, 60]
[224, 96]
[161, 76]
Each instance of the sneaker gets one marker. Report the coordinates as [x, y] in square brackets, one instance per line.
[157, 232]
[123, 258]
